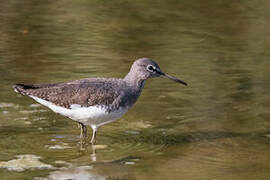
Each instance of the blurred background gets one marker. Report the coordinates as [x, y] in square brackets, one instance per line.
[216, 128]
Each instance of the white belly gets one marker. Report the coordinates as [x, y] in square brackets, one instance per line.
[93, 115]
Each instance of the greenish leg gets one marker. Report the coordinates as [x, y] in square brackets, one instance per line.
[83, 130]
[93, 140]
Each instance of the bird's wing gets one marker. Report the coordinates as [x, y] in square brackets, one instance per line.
[85, 92]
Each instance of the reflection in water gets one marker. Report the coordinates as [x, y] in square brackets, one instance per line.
[76, 173]
[101, 170]
[217, 128]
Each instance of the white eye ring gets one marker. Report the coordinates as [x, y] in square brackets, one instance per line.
[150, 68]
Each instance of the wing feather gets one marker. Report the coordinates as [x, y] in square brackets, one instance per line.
[85, 92]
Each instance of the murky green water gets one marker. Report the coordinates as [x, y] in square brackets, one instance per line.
[216, 128]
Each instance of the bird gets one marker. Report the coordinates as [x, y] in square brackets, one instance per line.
[95, 101]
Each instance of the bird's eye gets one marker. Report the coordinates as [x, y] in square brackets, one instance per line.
[150, 68]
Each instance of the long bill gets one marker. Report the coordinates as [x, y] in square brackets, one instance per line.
[172, 78]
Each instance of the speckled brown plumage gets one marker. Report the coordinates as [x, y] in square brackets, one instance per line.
[85, 92]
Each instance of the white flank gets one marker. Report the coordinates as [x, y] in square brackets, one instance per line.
[94, 116]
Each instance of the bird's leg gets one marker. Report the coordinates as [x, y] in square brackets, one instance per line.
[93, 140]
[83, 130]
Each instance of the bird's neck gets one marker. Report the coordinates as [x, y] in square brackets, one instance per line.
[135, 80]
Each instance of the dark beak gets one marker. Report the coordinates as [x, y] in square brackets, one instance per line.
[171, 77]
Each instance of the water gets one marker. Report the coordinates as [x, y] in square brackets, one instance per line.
[216, 128]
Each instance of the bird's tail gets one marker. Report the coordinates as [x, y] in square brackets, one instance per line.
[23, 88]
